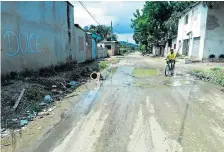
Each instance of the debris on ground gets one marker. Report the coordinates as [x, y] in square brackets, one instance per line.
[30, 94]
[23, 122]
[48, 99]
[72, 84]
[18, 100]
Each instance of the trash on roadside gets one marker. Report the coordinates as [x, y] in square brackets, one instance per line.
[30, 116]
[48, 99]
[5, 133]
[43, 104]
[49, 110]
[23, 122]
[54, 86]
[40, 117]
[43, 113]
[23, 128]
[2, 129]
[14, 120]
[73, 84]
[54, 90]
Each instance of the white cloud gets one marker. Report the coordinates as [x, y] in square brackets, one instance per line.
[120, 12]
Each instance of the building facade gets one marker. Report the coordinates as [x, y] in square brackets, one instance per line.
[36, 34]
[80, 44]
[201, 31]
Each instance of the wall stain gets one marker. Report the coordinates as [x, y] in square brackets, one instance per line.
[212, 22]
[68, 22]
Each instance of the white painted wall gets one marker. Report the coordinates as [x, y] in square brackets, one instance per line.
[196, 25]
[101, 44]
[156, 50]
[214, 39]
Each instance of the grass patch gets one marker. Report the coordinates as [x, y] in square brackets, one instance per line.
[215, 75]
[141, 72]
[103, 65]
[114, 60]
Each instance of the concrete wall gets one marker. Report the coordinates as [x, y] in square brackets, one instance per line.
[195, 27]
[156, 50]
[101, 52]
[214, 40]
[89, 47]
[113, 50]
[36, 34]
[166, 49]
[80, 47]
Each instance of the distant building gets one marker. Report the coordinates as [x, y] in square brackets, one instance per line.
[111, 46]
[171, 44]
[80, 41]
[201, 31]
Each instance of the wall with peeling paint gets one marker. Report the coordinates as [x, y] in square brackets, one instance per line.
[80, 44]
[214, 40]
[36, 34]
[195, 28]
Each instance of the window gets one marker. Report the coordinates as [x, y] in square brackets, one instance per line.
[108, 47]
[169, 43]
[174, 46]
[186, 19]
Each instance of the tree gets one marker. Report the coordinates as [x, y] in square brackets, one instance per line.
[103, 31]
[156, 22]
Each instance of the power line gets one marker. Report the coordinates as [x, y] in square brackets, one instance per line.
[89, 12]
[92, 15]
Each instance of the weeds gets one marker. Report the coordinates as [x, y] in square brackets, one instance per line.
[103, 64]
[215, 75]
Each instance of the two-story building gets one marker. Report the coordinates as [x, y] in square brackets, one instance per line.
[201, 31]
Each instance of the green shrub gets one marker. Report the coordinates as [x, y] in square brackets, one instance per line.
[103, 64]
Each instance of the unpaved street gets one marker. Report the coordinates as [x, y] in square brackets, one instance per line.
[130, 112]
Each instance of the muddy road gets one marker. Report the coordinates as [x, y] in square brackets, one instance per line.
[138, 109]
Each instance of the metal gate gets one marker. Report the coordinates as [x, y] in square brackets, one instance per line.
[196, 45]
[93, 49]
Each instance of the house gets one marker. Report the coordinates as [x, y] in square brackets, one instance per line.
[91, 45]
[80, 41]
[158, 49]
[201, 31]
[111, 46]
[171, 44]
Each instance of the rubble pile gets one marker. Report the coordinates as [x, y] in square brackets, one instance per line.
[40, 90]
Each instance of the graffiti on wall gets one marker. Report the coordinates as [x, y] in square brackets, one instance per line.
[25, 43]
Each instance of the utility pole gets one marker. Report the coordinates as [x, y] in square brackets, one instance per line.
[111, 35]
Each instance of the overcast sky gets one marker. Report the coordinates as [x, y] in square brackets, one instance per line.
[120, 12]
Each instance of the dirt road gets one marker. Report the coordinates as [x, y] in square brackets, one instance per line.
[138, 109]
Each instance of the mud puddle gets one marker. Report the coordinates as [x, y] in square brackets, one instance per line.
[69, 121]
[177, 83]
[144, 72]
